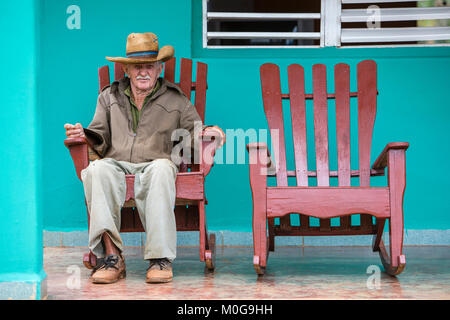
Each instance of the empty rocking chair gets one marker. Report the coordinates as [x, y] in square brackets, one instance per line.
[322, 201]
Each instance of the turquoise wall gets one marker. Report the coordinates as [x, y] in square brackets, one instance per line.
[413, 105]
[20, 160]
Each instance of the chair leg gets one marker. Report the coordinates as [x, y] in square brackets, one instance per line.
[395, 263]
[260, 270]
[210, 254]
[207, 242]
[392, 266]
[377, 237]
[260, 244]
[260, 261]
[271, 239]
[258, 184]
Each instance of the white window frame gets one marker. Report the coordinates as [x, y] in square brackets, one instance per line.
[332, 34]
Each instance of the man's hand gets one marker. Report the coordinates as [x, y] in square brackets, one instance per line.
[217, 132]
[74, 131]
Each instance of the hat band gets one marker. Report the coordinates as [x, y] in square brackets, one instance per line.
[143, 53]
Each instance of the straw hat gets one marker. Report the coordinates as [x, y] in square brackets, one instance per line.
[144, 48]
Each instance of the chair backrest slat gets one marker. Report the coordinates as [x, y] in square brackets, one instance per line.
[342, 100]
[321, 124]
[169, 70]
[320, 104]
[273, 107]
[342, 88]
[118, 71]
[367, 108]
[103, 78]
[186, 76]
[296, 78]
[200, 89]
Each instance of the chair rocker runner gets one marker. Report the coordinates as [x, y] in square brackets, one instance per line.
[322, 201]
[190, 196]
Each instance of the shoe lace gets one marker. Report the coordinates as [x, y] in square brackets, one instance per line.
[111, 262]
[163, 263]
[100, 263]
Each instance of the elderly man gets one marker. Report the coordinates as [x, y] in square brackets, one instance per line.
[132, 127]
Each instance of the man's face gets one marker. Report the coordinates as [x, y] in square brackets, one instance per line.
[144, 76]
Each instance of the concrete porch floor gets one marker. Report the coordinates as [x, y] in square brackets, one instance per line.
[292, 273]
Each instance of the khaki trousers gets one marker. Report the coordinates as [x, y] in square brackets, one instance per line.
[155, 192]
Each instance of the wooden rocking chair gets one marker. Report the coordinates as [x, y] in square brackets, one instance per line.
[322, 201]
[190, 196]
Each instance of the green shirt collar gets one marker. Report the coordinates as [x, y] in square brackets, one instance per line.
[135, 112]
[127, 92]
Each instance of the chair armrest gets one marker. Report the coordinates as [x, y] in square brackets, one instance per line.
[70, 142]
[260, 163]
[381, 161]
[209, 147]
[79, 152]
[259, 156]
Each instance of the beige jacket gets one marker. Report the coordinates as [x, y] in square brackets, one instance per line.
[111, 131]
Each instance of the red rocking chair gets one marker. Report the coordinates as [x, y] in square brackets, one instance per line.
[190, 197]
[322, 201]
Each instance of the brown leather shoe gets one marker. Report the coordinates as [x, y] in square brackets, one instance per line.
[159, 271]
[112, 270]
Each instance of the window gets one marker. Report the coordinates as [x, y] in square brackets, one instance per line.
[395, 22]
[261, 23]
[321, 23]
